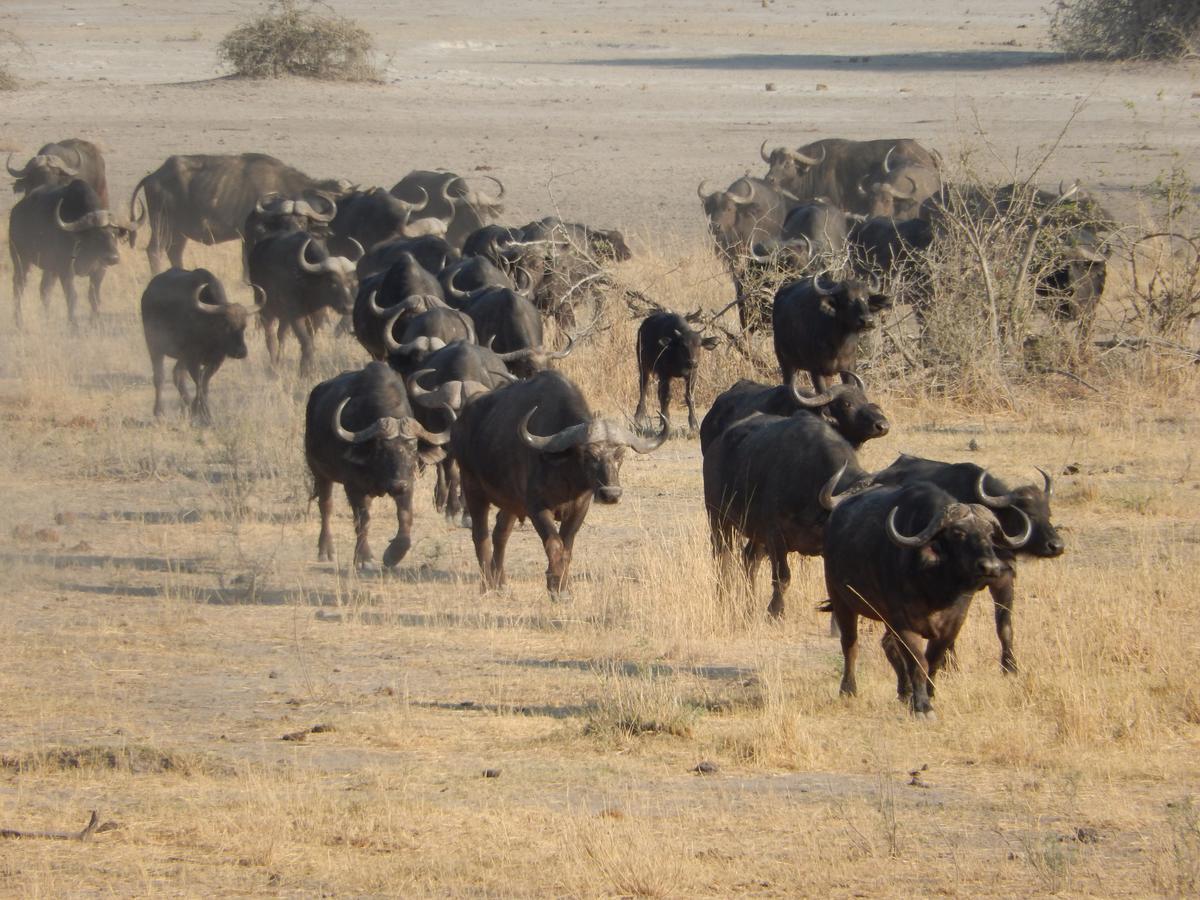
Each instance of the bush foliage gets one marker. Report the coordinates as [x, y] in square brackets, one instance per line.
[1127, 29]
[292, 38]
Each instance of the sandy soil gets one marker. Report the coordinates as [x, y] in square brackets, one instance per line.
[162, 596]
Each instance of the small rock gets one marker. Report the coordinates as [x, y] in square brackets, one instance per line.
[491, 773]
[65, 518]
[1072, 469]
[973, 445]
[82, 547]
[47, 535]
[1085, 834]
[770, 86]
[322, 729]
[706, 767]
[297, 736]
[272, 674]
[822, 87]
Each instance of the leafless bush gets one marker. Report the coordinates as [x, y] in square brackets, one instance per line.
[10, 45]
[1164, 258]
[1126, 29]
[291, 38]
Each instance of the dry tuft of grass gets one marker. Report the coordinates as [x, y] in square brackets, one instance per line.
[1126, 29]
[292, 38]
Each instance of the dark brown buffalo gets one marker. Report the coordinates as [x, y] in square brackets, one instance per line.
[206, 198]
[847, 172]
[431, 251]
[460, 279]
[60, 163]
[762, 479]
[278, 215]
[844, 406]
[296, 281]
[424, 334]
[817, 326]
[913, 558]
[1013, 507]
[533, 450]
[510, 325]
[373, 216]
[66, 232]
[668, 348]
[359, 431]
[406, 288]
[186, 316]
[451, 378]
[451, 199]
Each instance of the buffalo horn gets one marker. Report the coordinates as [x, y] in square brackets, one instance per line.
[816, 282]
[998, 502]
[455, 292]
[360, 251]
[821, 399]
[386, 426]
[921, 538]
[742, 200]
[700, 190]
[552, 443]
[640, 444]
[887, 160]
[566, 351]
[305, 264]
[201, 305]
[380, 311]
[413, 430]
[415, 207]
[15, 173]
[476, 198]
[79, 224]
[807, 160]
[1049, 482]
[1015, 543]
[828, 499]
[762, 151]
[854, 379]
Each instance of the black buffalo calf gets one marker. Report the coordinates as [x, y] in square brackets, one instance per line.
[668, 348]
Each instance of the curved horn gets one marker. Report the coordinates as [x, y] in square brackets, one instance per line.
[78, 159]
[816, 282]
[828, 499]
[389, 339]
[201, 305]
[762, 151]
[898, 195]
[382, 311]
[385, 425]
[923, 537]
[415, 207]
[455, 292]
[410, 428]
[475, 198]
[140, 219]
[305, 265]
[854, 378]
[438, 397]
[998, 502]
[739, 199]
[552, 443]
[874, 283]
[359, 248]
[1048, 489]
[700, 190]
[516, 355]
[15, 173]
[862, 190]
[641, 444]
[78, 225]
[327, 201]
[816, 402]
[1016, 543]
[566, 351]
[807, 160]
[887, 166]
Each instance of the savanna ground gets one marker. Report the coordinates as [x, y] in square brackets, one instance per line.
[165, 623]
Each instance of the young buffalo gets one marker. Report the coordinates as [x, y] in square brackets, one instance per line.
[669, 348]
[187, 317]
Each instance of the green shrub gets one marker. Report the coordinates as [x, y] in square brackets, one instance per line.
[291, 38]
[1126, 29]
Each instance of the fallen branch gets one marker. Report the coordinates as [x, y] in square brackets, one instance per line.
[1074, 377]
[1143, 343]
[85, 835]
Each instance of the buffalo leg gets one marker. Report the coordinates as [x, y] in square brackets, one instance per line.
[500, 534]
[935, 657]
[557, 555]
[781, 579]
[1002, 596]
[721, 536]
[175, 250]
[898, 657]
[46, 288]
[688, 384]
[820, 382]
[160, 375]
[94, 281]
[664, 397]
[477, 506]
[454, 495]
[302, 328]
[154, 249]
[440, 487]
[360, 504]
[272, 339]
[572, 521]
[68, 285]
[639, 414]
[918, 671]
[179, 376]
[847, 620]
[200, 408]
[401, 543]
[20, 273]
[323, 490]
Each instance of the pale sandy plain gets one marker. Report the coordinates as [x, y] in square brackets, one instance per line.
[163, 621]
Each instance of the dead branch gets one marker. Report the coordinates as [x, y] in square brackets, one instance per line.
[85, 835]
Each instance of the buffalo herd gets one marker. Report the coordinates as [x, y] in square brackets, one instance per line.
[450, 306]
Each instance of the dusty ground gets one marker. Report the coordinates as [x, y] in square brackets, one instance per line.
[165, 624]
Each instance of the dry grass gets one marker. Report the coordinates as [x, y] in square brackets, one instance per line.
[1126, 29]
[170, 625]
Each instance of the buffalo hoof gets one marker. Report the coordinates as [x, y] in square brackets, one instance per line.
[928, 716]
[395, 552]
[563, 595]
[369, 568]
[466, 521]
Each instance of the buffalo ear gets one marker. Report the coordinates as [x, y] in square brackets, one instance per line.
[710, 343]
[928, 557]
[827, 307]
[879, 301]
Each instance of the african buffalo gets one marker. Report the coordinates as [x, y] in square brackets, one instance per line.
[373, 216]
[431, 251]
[186, 316]
[845, 172]
[668, 348]
[206, 198]
[460, 279]
[60, 163]
[424, 334]
[66, 232]
[913, 558]
[762, 479]
[509, 324]
[843, 406]
[969, 483]
[452, 200]
[275, 215]
[533, 450]
[359, 431]
[406, 287]
[817, 326]
[296, 280]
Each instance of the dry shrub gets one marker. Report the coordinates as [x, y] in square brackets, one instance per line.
[10, 45]
[290, 38]
[1126, 29]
